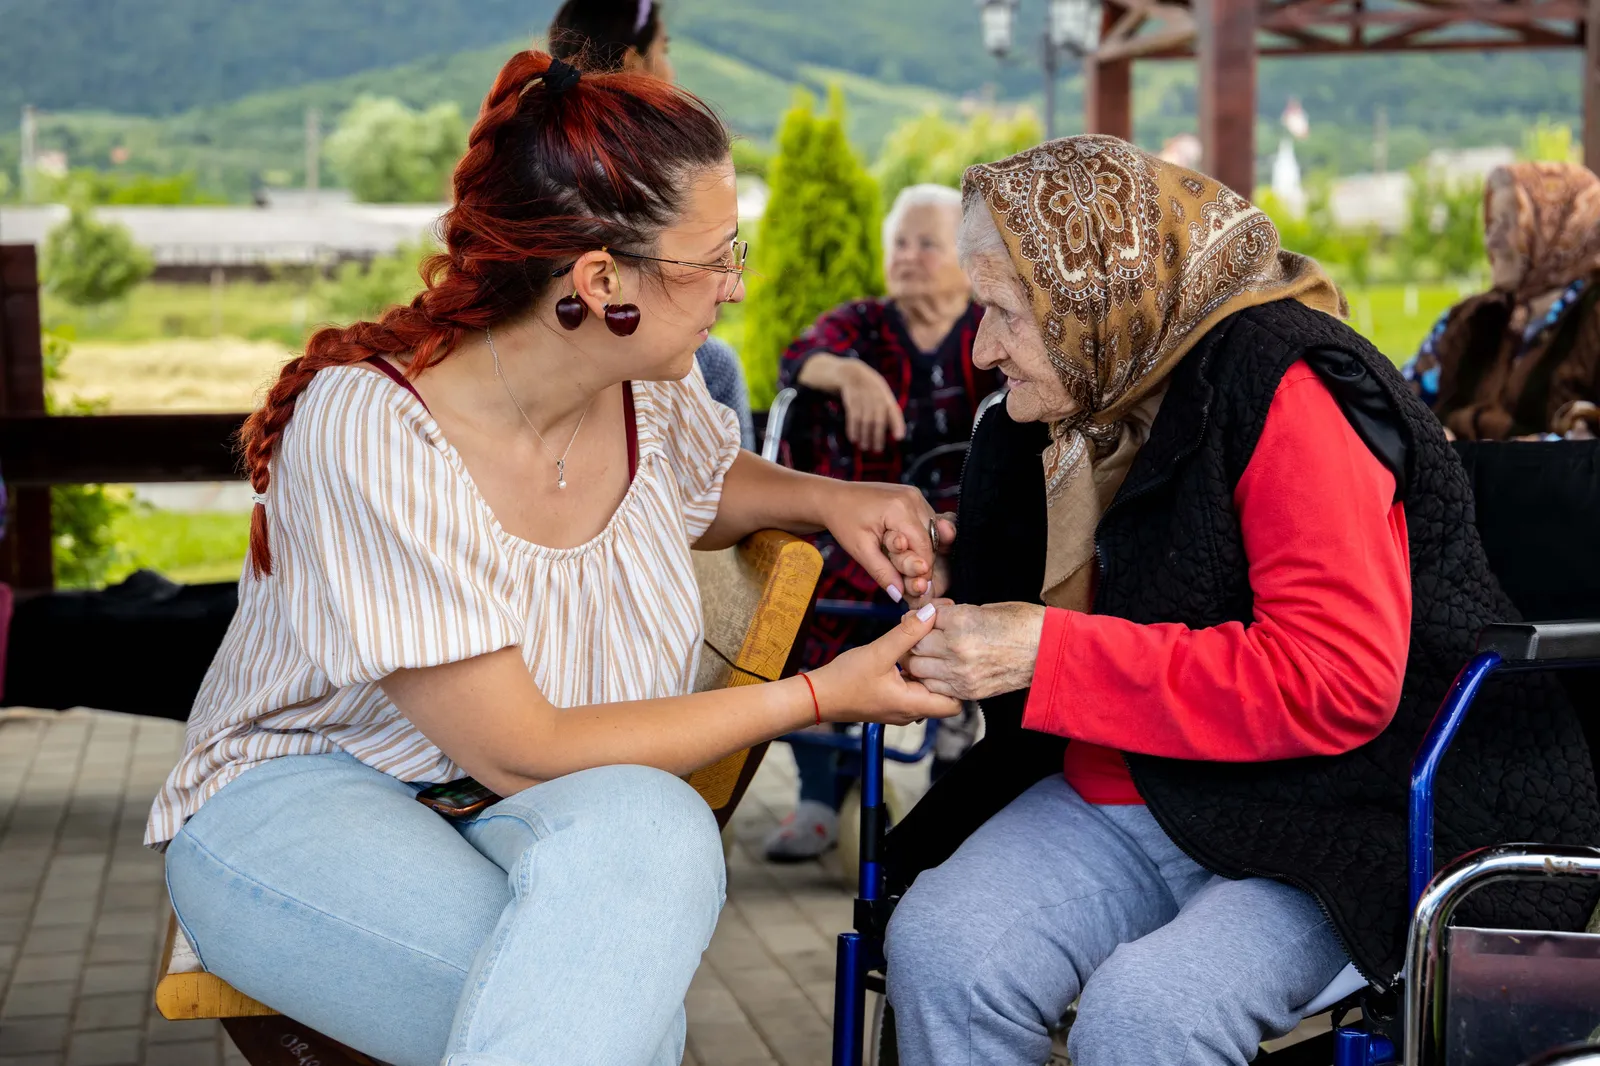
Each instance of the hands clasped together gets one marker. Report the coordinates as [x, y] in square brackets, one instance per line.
[941, 653]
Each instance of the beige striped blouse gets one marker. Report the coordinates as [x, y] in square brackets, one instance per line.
[385, 556]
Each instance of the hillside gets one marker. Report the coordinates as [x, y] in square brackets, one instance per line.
[236, 145]
[222, 89]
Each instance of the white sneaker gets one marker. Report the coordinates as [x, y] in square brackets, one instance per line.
[812, 829]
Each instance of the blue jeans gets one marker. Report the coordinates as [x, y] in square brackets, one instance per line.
[1054, 900]
[562, 925]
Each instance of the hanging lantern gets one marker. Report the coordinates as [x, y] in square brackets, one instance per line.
[997, 19]
[1074, 25]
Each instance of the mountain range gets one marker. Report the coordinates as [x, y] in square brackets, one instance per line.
[222, 88]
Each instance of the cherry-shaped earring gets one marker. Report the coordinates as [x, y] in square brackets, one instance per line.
[571, 311]
[622, 319]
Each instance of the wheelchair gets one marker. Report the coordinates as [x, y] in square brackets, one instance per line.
[921, 473]
[1467, 995]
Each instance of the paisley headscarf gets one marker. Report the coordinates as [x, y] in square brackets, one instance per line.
[1127, 261]
[1541, 226]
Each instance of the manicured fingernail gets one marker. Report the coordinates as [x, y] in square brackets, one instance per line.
[894, 592]
[926, 613]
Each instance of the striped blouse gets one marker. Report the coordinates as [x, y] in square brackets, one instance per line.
[386, 557]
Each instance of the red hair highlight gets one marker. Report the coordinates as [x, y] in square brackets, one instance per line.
[547, 176]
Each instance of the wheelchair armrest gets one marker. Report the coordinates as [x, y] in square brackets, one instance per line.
[1552, 643]
[777, 422]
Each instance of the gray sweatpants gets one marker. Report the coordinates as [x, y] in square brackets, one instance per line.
[1053, 899]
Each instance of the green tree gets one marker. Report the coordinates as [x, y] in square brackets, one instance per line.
[1443, 233]
[820, 243]
[83, 546]
[365, 290]
[1551, 142]
[87, 262]
[932, 148]
[387, 152]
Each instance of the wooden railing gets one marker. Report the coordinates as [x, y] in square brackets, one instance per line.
[39, 450]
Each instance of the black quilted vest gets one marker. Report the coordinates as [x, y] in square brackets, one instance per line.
[1171, 550]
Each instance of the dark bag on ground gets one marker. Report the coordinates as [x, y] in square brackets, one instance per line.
[141, 647]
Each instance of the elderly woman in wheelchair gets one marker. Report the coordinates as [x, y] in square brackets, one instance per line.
[1215, 565]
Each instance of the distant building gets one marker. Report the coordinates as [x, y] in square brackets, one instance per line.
[1379, 200]
[189, 242]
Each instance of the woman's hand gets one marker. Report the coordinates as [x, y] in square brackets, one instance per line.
[921, 587]
[865, 684]
[872, 415]
[872, 412]
[977, 652]
[864, 516]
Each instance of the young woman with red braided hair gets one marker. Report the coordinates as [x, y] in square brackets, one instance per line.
[470, 557]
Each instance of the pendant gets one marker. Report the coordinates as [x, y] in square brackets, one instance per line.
[561, 473]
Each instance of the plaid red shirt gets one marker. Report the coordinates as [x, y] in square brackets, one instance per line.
[938, 393]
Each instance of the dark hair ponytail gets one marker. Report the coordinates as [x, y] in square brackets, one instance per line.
[551, 171]
[596, 34]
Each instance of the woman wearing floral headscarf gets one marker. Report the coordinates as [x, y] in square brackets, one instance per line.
[1523, 359]
[1216, 548]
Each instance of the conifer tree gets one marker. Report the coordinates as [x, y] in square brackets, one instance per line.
[819, 244]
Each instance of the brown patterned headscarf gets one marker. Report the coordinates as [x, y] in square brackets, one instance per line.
[1127, 260]
[1541, 226]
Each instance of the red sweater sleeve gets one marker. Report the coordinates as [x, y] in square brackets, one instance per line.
[1318, 669]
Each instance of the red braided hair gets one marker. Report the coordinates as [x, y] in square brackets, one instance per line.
[548, 175]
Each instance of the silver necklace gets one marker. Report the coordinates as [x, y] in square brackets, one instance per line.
[561, 460]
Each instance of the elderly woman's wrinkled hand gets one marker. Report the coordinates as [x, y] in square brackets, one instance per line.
[976, 652]
[923, 583]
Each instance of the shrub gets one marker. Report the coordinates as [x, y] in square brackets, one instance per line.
[387, 152]
[820, 239]
[88, 263]
[932, 148]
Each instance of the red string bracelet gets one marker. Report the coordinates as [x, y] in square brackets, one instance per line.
[815, 705]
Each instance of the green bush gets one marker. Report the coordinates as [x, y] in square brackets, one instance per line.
[1551, 142]
[1443, 233]
[88, 263]
[103, 187]
[934, 149]
[387, 152]
[83, 546]
[365, 290]
[820, 240]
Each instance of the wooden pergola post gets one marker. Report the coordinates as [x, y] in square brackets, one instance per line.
[25, 557]
[1591, 86]
[1225, 50]
[1108, 88]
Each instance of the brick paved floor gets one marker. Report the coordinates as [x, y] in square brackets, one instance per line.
[83, 907]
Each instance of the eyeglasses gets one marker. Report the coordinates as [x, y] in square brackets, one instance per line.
[731, 265]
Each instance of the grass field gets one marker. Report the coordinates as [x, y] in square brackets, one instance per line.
[158, 352]
[191, 548]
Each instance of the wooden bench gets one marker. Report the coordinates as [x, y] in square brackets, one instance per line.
[755, 599]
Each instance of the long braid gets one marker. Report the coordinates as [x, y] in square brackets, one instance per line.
[546, 176]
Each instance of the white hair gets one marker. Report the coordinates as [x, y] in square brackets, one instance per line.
[978, 235]
[926, 195]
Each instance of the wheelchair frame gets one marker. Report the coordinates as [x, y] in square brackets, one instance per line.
[1520, 647]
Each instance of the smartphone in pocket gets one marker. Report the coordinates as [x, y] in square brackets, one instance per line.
[457, 799]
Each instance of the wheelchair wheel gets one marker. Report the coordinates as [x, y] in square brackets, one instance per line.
[882, 1049]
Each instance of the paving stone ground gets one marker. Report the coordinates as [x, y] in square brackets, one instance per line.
[83, 907]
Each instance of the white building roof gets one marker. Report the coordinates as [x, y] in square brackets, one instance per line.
[229, 236]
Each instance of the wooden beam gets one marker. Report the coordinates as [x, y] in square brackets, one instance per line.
[1108, 96]
[66, 450]
[1226, 52]
[25, 555]
[1591, 87]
